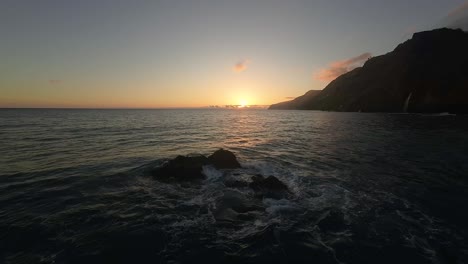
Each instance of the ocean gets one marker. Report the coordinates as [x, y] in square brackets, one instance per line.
[76, 187]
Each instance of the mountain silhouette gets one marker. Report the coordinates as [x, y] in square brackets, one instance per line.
[428, 73]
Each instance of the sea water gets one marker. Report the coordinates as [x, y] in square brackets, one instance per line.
[75, 187]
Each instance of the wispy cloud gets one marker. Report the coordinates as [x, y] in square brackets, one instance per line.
[241, 65]
[459, 10]
[340, 67]
[55, 82]
[458, 17]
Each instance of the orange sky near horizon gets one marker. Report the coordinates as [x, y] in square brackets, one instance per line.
[169, 54]
[226, 86]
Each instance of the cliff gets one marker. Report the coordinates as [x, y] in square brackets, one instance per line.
[298, 103]
[428, 73]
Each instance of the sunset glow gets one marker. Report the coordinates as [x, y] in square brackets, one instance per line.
[233, 131]
[159, 54]
[243, 103]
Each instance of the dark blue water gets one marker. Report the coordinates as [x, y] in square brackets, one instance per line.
[75, 187]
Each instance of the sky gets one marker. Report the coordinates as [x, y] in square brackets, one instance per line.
[195, 53]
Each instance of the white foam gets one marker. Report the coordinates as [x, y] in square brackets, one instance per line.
[275, 207]
[267, 168]
[212, 174]
[263, 167]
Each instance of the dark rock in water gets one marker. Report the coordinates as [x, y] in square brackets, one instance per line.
[257, 178]
[270, 183]
[186, 168]
[269, 187]
[234, 206]
[235, 183]
[237, 180]
[225, 215]
[224, 159]
[248, 216]
[182, 168]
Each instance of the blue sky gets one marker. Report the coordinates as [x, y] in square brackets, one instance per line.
[104, 53]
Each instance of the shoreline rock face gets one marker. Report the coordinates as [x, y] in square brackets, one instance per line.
[297, 103]
[426, 74]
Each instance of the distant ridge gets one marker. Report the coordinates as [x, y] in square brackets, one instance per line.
[298, 103]
[428, 73]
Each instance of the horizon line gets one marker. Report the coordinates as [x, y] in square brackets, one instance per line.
[133, 108]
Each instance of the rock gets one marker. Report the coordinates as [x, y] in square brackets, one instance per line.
[269, 187]
[224, 159]
[237, 201]
[270, 183]
[226, 214]
[187, 168]
[182, 168]
[236, 180]
[234, 183]
[248, 216]
[232, 205]
[257, 178]
[297, 103]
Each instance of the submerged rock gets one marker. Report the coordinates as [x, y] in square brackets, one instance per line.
[224, 159]
[269, 187]
[182, 168]
[234, 183]
[234, 206]
[271, 183]
[236, 180]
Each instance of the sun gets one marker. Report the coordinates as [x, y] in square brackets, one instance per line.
[242, 103]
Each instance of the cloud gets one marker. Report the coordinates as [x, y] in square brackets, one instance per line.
[55, 82]
[290, 97]
[241, 66]
[459, 10]
[458, 17]
[338, 68]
